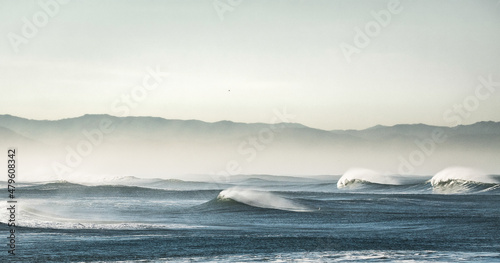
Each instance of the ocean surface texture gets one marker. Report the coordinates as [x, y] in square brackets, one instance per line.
[361, 216]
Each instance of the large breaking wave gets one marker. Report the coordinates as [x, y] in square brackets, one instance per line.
[454, 180]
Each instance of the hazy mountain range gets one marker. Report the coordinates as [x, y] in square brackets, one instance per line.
[101, 145]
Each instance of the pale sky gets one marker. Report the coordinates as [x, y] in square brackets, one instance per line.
[262, 56]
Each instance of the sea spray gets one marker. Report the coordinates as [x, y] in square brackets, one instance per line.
[261, 199]
[454, 180]
[356, 176]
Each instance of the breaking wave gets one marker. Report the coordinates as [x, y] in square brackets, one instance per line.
[260, 199]
[455, 180]
[357, 176]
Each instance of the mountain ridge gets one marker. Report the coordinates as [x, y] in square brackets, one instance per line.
[297, 125]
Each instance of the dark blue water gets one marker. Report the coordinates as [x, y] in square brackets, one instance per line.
[257, 220]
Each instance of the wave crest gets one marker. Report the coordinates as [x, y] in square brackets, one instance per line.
[462, 179]
[356, 176]
[462, 174]
[260, 199]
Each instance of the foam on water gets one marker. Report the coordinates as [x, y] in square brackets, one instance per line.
[350, 256]
[261, 199]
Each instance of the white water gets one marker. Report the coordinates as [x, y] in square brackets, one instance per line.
[351, 256]
[462, 174]
[455, 180]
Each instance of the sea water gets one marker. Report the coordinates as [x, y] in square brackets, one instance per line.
[361, 216]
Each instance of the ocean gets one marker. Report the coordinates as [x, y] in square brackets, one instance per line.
[360, 216]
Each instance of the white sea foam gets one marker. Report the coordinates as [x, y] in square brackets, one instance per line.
[349, 256]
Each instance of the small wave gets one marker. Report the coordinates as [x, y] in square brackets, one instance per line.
[455, 180]
[261, 199]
